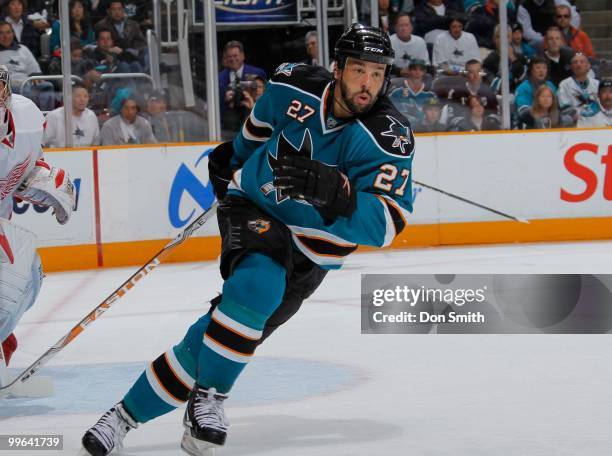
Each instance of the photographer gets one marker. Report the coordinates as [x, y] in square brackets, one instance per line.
[232, 86]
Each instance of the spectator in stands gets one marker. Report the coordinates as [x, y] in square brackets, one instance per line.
[35, 11]
[559, 58]
[407, 47]
[578, 93]
[517, 64]
[170, 126]
[80, 26]
[433, 17]
[574, 38]
[126, 35]
[22, 64]
[109, 58]
[432, 112]
[155, 113]
[386, 16]
[519, 45]
[538, 75]
[25, 32]
[454, 48]
[140, 11]
[410, 98]
[233, 111]
[544, 112]
[126, 127]
[80, 65]
[482, 19]
[86, 131]
[475, 118]
[536, 16]
[602, 117]
[312, 48]
[474, 86]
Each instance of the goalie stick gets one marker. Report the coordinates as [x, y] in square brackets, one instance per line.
[108, 302]
[473, 203]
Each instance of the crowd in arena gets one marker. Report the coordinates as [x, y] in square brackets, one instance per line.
[446, 76]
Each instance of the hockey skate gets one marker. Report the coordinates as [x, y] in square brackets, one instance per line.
[205, 422]
[108, 433]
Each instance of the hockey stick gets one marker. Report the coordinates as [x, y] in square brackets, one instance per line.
[473, 203]
[109, 301]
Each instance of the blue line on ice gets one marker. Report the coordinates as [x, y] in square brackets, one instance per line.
[94, 388]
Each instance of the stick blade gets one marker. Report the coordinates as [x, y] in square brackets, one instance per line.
[35, 387]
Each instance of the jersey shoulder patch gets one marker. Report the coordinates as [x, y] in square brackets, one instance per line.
[311, 79]
[389, 129]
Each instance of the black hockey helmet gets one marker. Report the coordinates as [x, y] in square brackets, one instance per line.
[365, 43]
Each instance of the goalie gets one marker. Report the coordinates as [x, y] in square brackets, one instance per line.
[26, 176]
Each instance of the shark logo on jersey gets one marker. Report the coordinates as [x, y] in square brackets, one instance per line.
[401, 136]
[285, 148]
[287, 68]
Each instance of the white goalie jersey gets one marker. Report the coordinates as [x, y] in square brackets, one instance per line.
[20, 149]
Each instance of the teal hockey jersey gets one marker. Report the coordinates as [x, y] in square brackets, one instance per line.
[375, 151]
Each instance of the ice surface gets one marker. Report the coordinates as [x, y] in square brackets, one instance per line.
[318, 386]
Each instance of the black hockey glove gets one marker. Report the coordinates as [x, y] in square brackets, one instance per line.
[323, 186]
[219, 171]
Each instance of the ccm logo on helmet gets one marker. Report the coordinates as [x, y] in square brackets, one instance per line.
[373, 49]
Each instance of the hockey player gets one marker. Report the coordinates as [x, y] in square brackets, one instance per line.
[25, 175]
[322, 164]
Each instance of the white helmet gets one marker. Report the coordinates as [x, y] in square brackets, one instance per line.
[5, 100]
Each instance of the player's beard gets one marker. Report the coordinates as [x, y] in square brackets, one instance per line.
[347, 97]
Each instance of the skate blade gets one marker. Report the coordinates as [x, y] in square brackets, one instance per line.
[196, 447]
[33, 388]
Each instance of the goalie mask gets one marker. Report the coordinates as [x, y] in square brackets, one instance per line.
[5, 100]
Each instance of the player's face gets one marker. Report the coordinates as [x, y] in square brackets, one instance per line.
[403, 28]
[80, 99]
[605, 97]
[360, 84]
[517, 37]
[539, 71]
[456, 28]
[580, 65]
[129, 111]
[234, 58]
[6, 35]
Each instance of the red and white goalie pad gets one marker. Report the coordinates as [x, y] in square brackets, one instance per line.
[49, 186]
[20, 274]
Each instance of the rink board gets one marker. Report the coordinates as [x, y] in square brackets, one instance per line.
[132, 200]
